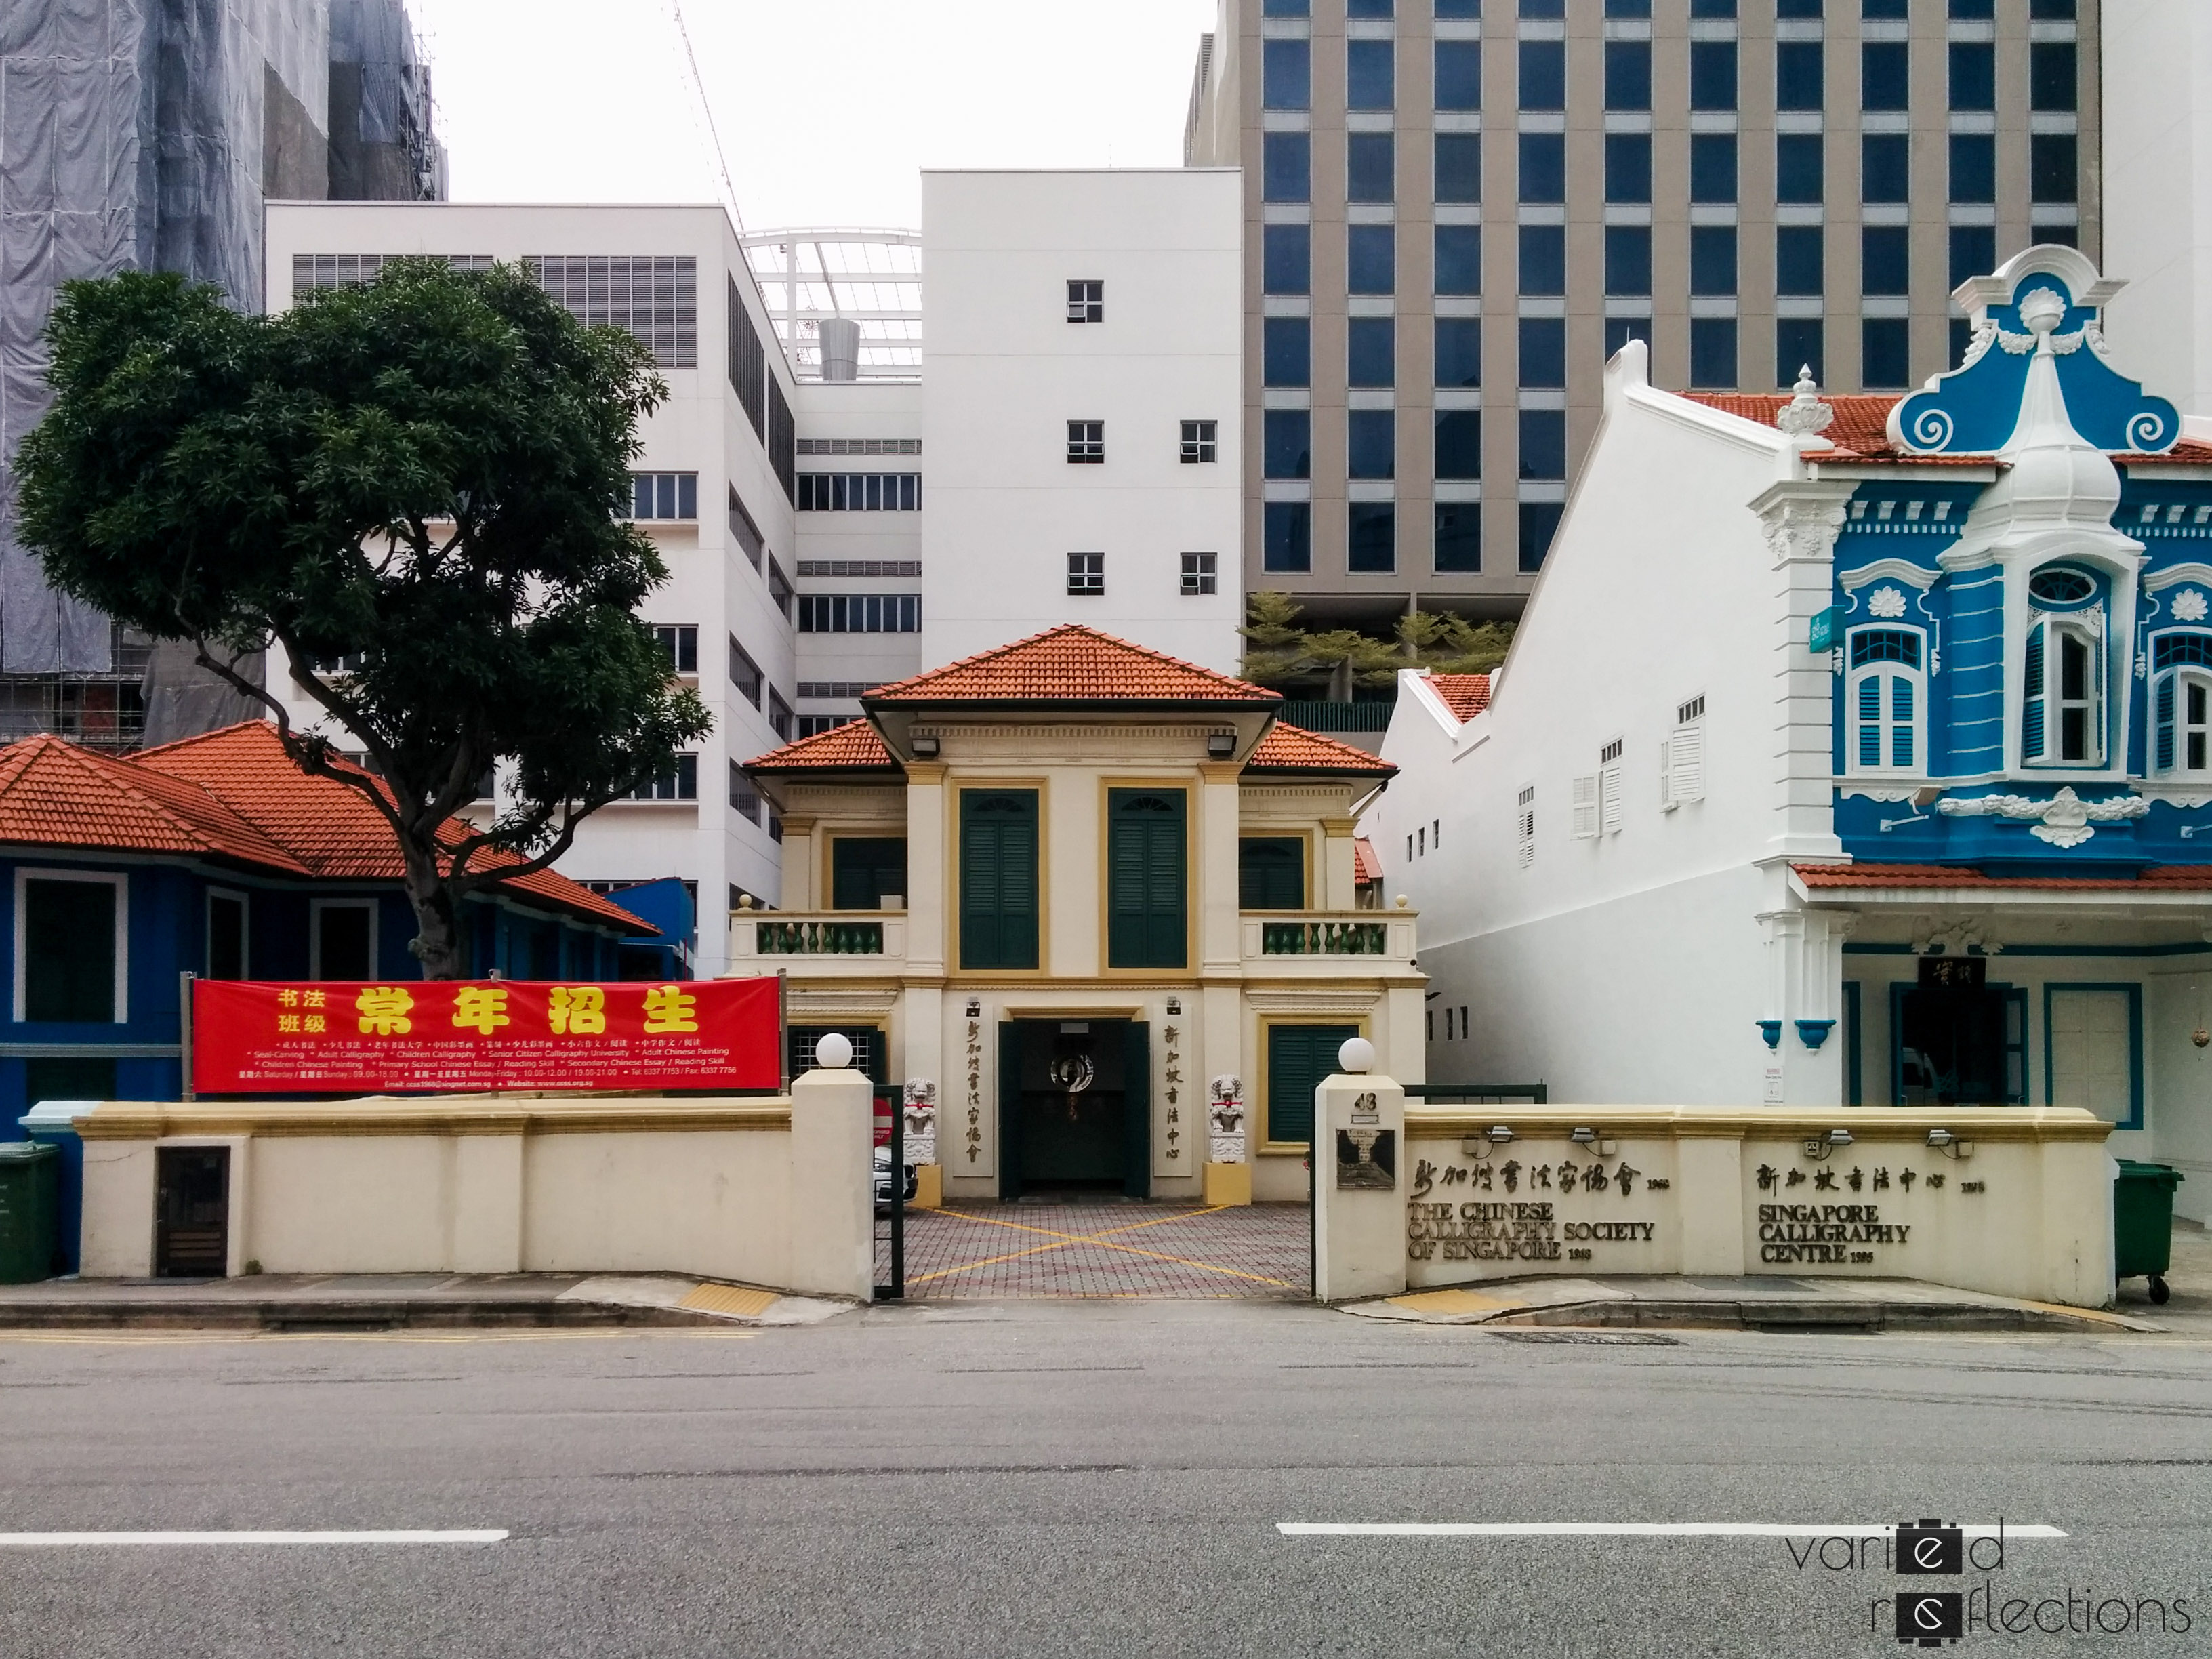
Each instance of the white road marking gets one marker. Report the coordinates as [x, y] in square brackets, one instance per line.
[62, 1540]
[1615, 1530]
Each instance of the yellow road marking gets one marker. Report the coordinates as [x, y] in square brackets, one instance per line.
[154, 1339]
[1104, 1240]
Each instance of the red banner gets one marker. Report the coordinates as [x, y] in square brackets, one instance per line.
[330, 1037]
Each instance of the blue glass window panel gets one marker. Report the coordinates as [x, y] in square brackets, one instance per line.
[1287, 536]
[1799, 342]
[1973, 74]
[1286, 351]
[1540, 522]
[1459, 259]
[1458, 351]
[1543, 259]
[1370, 74]
[1371, 444]
[1628, 260]
[1796, 8]
[1619, 330]
[1286, 8]
[2054, 75]
[1367, 8]
[1973, 8]
[1285, 75]
[1800, 75]
[1286, 166]
[1886, 347]
[1459, 7]
[1543, 8]
[1886, 167]
[1371, 166]
[1800, 167]
[1459, 443]
[1712, 260]
[1974, 167]
[1459, 75]
[1885, 260]
[1712, 7]
[1459, 166]
[1286, 259]
[1543, 74]
[2054, 166]
[1628, 167]
[1885, 75]
[1628, 75]
[1543, 166]
[1713, 352]
[1459, 536]
[1286, 443]
[1900, 645]
[1798, 261]
[2182, 651]
[1713, 75]
[1712, 167]
[1371, 351]
[1372, 536]
[1885, 9]
[1543, 444]
[1371, 258]
[1543, 352]
[1973, 251]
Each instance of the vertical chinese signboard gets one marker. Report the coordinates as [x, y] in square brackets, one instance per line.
[328, 1036]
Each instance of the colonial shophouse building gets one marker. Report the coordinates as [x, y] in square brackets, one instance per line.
[1077, 892]
[1856, 750]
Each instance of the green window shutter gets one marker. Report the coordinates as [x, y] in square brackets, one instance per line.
[865, 869]
[1271, 874]
[1298, 1058]
[68, 952]
[998, 878]
[1148, 909]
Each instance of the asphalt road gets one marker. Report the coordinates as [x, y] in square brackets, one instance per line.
[1084, 1478]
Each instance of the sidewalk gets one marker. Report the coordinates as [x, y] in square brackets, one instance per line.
[379, 1301]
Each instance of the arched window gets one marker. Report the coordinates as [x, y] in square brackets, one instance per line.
[1886, 695]
[2181, 703]
[2063, 679]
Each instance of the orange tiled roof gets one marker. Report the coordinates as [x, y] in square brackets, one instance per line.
[1292, 748]
[2168, 878]
[1070, 664]
[1464, 695]
[853, 747]
[53, 793]
[1861, 430]
[325, 826]
[1365, 865]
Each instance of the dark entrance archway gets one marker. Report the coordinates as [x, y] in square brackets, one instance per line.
[1074, 1107]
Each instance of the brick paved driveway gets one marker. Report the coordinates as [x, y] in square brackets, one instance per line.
[1108, 1249]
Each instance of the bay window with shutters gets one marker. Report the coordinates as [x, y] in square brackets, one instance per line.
[2181, 704]
[1147, 878]
[1884, 702]
[2063, 707]
[999, 886]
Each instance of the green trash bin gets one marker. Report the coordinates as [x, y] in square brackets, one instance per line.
[30, 1175]
[2143, 1222]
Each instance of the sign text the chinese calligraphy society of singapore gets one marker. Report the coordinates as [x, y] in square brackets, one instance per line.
[329, 1037]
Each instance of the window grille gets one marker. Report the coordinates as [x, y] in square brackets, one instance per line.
[1087, 573]
[681, 782]
[859, 492]
[1200, 574]
[1199, 440]
[664, 495]
[1086, 301]
[679, 643]
[859, 613]
[1086, 442]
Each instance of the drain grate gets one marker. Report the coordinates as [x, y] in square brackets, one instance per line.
[1598, 1339]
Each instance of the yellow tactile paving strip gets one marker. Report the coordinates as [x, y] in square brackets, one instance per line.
[737, 1299]
[1107, 1249]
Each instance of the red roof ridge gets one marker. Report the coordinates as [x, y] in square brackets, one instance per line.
[1464, 695]
[852, 746]
[1288, 748]
[916, 687]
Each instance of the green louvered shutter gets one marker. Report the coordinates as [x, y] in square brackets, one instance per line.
[998, 878]
[1148, 909]
[1271, 874]
[1298, 1058]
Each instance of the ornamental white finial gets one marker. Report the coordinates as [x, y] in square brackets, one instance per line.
[1805, 417]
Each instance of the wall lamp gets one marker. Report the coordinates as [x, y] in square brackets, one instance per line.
[1586, 1136]
[1480, 1146]
[1817, 1150]
[1220, 746]
[924, 748]
[1949, 1145]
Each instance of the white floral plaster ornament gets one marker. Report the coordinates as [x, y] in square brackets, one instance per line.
[2189, 606]
[1886, 602]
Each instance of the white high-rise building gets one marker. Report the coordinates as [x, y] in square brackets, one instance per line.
[713, 487]
[1082, 409]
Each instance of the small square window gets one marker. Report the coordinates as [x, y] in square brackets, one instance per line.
[1712, 353]
[1712, 167]
[1200, 574]
[1199, 442]
[1371, 166]
[1371, 538]
[1087, 573]
[1086, 441]
[1086, 303]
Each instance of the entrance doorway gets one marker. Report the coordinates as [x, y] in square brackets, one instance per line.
[1958, 1041]
[1075, 1107]
[191, 1211]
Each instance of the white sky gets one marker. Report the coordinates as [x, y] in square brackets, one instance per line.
[826, 108]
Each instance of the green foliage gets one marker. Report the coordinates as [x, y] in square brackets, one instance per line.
[1280, 652]
[416, 487]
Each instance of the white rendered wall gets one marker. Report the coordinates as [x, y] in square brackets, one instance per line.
[1006, 372]
[858, 409]
[2157, 57]
[712, 585]
[1626, 967]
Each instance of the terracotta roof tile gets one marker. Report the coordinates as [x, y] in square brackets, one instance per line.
[2168, 878]
[1861, 430]
[325, 825]
[1070, 664]
[1464, 695]
[53, 793]
[853, 747]
[1365, 865]
[1292, 749]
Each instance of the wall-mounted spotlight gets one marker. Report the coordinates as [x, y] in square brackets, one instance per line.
[1949, 1145]
[924, 748]
[1220, 746]
[1817, 1150]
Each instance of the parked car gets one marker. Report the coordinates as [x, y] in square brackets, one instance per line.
[882, 1174]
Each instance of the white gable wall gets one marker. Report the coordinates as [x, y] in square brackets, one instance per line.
[1660, 577]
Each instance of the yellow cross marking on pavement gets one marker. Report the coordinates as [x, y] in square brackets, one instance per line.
[1104, 1240]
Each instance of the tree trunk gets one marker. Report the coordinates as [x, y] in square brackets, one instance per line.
[438, 944]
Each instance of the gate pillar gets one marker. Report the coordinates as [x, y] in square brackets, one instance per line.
[1359, 1181]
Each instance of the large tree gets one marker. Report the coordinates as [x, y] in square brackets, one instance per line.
[1278, 653]
[416, 487]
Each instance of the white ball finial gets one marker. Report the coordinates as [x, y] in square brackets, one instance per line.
[1357, 1054]
[833, 1053]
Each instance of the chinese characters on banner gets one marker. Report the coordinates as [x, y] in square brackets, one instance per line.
[330, 1037]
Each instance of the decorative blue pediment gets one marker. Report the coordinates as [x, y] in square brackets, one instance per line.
[1975, 409]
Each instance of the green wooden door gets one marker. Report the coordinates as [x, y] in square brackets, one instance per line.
[1298, 1058]
[998, 878]
[1147, 880]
